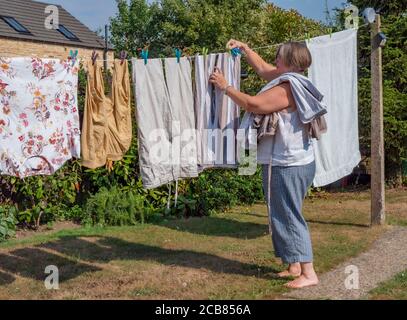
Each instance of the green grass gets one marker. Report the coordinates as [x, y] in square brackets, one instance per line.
[226, 256]
[395, 289]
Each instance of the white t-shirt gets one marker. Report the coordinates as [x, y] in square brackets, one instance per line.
[293, 145]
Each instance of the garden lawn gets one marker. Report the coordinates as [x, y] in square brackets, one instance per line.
[225, 256]
[394, 289]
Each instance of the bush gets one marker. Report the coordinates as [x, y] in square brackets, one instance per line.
[217, 189]
[7, 222]
[116, 207]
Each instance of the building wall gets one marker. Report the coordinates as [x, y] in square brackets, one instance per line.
[23, 48]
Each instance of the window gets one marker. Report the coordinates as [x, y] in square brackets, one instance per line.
[68, 34]
[15, 25]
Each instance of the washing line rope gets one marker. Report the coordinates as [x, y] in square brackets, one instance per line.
[193, 57]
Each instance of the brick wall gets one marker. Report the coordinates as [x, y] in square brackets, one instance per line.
[19, 48]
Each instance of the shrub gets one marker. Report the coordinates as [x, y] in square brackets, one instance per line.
[217, 189]
[7, 222]
[116, 207]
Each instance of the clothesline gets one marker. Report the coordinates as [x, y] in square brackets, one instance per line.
[156, 95]
[190, 57]
[193, 57]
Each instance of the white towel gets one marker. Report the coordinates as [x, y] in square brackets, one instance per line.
[334, 73]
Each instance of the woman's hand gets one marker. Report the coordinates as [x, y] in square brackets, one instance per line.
[237, 44]
[217, 78]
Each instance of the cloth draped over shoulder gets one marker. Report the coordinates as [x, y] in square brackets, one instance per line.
[309, 105]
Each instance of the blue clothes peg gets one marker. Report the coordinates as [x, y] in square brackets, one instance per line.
[178, 54]
[235, 52]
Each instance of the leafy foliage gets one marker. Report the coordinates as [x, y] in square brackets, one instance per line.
[117, 208]
[7, 222]
[394, 25]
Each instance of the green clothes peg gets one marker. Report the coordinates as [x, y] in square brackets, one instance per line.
[204, 51]
[73, 55]
[144, 55]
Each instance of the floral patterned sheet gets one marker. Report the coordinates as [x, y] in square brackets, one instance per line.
[39, 119]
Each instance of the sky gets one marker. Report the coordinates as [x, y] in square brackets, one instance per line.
[95, 13]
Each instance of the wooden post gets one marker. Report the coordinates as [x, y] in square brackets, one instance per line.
[377, 139]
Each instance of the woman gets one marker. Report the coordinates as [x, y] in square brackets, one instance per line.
[293, 160]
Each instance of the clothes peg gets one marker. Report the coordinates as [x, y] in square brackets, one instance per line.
[123, 56]
[178, 54]
[235, 52]
[204, 51]
[144, 55]
[73, 56]
[330, 32]
[94, 57]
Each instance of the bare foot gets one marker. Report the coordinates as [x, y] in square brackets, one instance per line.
[294, 270]
[288, 273]
[303, 282]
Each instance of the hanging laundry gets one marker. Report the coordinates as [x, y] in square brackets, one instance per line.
[334, 73]
[153, 114]
[217, 116]
[39, 120]
[107, 127]
[184, 145]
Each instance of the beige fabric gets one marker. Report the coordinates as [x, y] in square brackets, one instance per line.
[317, 127]
[180, 94]
[266, 125]
[106, 126]
[165, 121]
[154, 114]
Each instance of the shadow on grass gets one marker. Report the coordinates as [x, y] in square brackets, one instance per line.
[106, 249]
[349, 189]
[31, 262]
[257, 215]
[220, 227]
[5, 279]
[333, 223]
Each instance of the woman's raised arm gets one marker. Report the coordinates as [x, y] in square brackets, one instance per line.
[265, 70]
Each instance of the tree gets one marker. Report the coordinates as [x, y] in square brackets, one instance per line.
[388, 7]
[394, 25]
[193, 24]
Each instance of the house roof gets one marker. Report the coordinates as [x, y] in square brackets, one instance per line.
[31, 14]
